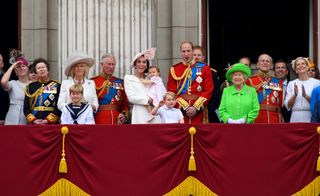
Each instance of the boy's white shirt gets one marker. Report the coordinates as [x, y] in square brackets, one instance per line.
[85, 118]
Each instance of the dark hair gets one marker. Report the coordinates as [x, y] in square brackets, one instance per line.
[40, 60]
[148, 64]
[32, 68]
[287, 67]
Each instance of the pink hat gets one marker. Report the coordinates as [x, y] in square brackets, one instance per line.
[23, 60]
[149, 54]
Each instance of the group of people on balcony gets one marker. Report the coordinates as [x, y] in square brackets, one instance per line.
[192, 95]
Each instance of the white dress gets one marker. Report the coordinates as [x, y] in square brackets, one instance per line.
[89, 93]
[301, 108]
[137, 95]
[15, 115]
[156, 90]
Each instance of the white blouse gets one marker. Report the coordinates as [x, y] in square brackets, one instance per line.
[301, 108]
[89, 93]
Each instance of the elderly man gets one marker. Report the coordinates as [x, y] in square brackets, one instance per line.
[269, 90]
[193, 84]
[113, 102]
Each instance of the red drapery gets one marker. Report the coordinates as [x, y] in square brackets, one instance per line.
[146, 160]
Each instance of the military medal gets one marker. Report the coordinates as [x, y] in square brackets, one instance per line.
[47, 103]
[199, 88]
[118, 95]
[51, 96]
[275, 93]
[199, 79]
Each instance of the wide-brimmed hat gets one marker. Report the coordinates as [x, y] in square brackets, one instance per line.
[149, 54]
[75, 58]
[238, 67]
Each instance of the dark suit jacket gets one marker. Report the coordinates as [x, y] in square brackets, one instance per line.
[4, 101]
[215, 99]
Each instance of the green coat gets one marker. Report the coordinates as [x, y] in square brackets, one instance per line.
[239, 104]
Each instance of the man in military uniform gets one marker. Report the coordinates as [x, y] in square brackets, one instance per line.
[193, 84]
[113, 102]
[41, 97]
[269, 90]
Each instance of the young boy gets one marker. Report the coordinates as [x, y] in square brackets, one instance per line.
[77, 112]
[165, 109]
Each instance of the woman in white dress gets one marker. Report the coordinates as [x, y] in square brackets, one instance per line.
[77, 68]
[16, 89]
[299, 92]
[137, 92]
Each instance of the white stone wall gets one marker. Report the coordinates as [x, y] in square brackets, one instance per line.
[39, 31]
[177, 21]
[53, 29]
[123, 27]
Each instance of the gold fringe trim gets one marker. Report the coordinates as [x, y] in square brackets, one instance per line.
[192, 160]
[313, 188]
[183, 103]
[191, 186]
[199, 103]
[64, 187]
[186, 74]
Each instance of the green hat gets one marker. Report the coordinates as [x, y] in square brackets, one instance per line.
[238, 67]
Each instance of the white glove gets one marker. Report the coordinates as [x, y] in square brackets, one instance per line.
[239, 121]
[231, 121]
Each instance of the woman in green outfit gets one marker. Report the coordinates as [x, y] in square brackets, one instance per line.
[239, 102]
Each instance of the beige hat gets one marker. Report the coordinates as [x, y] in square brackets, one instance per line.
[149, 54]
[75, 58]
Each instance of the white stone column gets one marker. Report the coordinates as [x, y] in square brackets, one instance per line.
[177, 21]
[123, 27]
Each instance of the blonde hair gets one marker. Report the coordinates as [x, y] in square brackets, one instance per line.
[76, 88]
[171, 94]
[294, 62]
[86, 69]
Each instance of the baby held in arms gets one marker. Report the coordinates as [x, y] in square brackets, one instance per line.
[155, 86]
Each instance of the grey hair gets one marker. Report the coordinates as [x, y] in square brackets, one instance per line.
[244, 75]
[271, 60]
[107, 55]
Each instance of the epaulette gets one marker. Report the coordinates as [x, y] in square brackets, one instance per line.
[253, 75]
[213, 70]
[56, 81]
[118, 79]
[176, 64]
[94, 77]
[32, 82]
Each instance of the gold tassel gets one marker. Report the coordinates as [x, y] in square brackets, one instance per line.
[63, 166]
[63, 162]
[192, 160]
